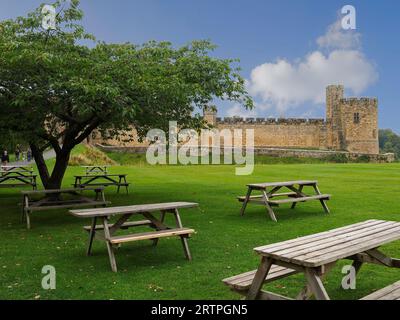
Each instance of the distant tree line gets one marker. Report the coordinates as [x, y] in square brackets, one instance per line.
[389, 141]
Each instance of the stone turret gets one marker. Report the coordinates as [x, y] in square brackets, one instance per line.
[335, 139]
[210, 115]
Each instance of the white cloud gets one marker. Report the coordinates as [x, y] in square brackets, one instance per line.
[287, 84]
[337, 38]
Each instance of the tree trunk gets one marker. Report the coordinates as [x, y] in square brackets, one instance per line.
[54, 180]
[40, 163]
[59, 170]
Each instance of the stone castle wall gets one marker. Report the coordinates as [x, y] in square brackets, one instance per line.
[292, 133]
[351, 125]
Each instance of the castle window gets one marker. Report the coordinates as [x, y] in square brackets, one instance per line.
[356, 118]
[374, 134]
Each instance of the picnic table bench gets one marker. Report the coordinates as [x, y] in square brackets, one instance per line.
[17, 176]
[91, 180]
[55, 199]
[315, 255]
[106, 231]
[270, 195]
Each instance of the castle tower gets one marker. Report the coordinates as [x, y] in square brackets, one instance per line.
[360, 124]
[334, 96]
[210, 115]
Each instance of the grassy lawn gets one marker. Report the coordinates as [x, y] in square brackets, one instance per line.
[222, 246]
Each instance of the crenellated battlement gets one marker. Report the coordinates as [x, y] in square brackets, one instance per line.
[360, 102]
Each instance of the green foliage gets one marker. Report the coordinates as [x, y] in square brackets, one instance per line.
[55, 90]
[337, 158]
[363, 159]
[389, 142]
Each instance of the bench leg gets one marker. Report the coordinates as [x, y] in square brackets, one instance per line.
[295, 203]
[305, 293]
[184, 239]
[316, 285]
[246, 200]
[110, 248]
[91, 237]
[269, 208]
[162, 218]
[323, 203]
[259, 278]
[28, 219]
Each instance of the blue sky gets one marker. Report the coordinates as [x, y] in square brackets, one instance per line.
[276, 41]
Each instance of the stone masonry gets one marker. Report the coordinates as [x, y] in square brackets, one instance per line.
[351, 125]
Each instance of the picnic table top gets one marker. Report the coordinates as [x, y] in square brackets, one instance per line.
[16, 166]
[322, 248]
[49, 191]
[27, 173]
[283, 184]
[98, 166]
[100, 212]
[100, 175]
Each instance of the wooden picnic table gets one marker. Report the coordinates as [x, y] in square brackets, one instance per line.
[58, 199]
[315, 255]
[101, 169]
[19, 168]
[106, 231]
[118, 180]
[270, 191]
[17, 176]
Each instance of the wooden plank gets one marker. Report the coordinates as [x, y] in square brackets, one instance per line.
[51, 191]
[343, 251]
[124, 226]
[333, 240]
[99, 175]
[105, 184]
[301, 199]
[343, 241]
[353, 249]
[260, 196]
[391, 292]
[359, 240]
[151, 235]
[259, 278]
[316, 285]
[243, 281]
[267, 295]
[132, 209]
[66, 206]
[313, 237]
[283, 184]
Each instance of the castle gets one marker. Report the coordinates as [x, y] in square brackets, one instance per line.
[351, 125]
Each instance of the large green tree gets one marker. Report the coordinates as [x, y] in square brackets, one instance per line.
[57, 85]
